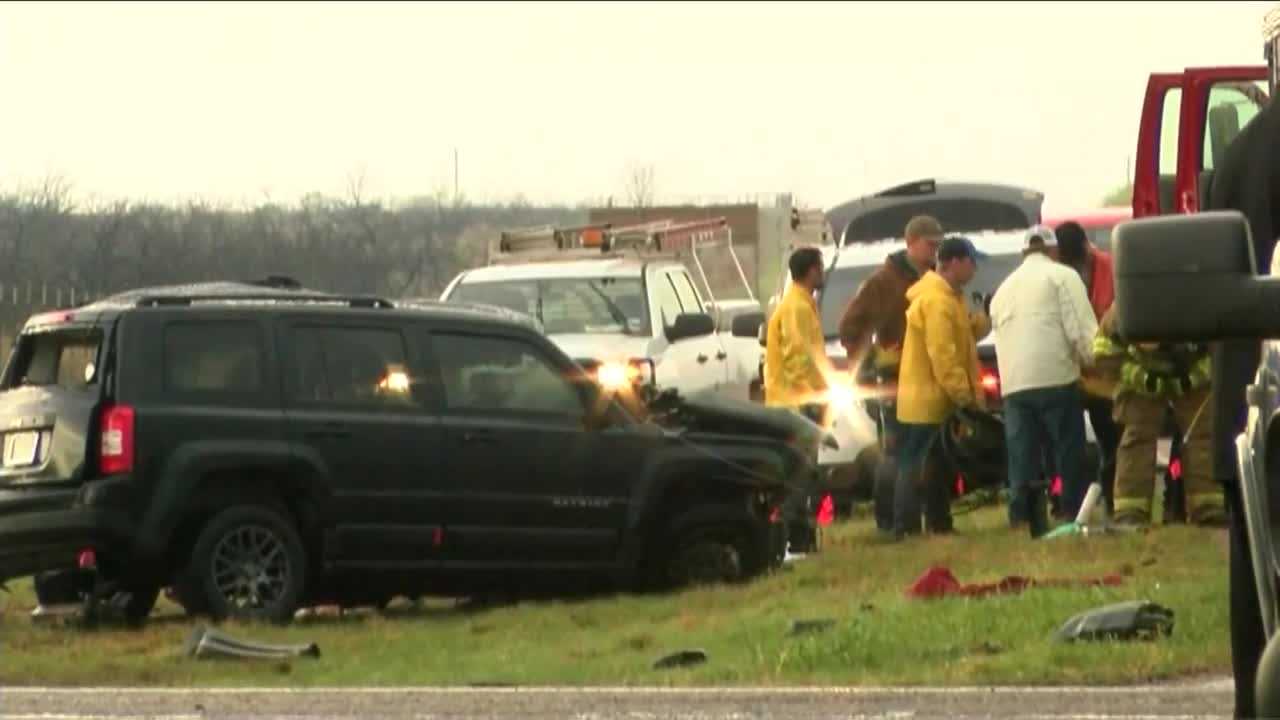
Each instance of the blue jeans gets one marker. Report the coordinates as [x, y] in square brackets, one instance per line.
[1054, 414]
[920, 471]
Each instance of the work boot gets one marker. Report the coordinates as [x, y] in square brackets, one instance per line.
[1209, 516]
[1037, 513]
[1131, 520]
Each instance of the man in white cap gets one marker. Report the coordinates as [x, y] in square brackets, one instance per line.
[1044, 328]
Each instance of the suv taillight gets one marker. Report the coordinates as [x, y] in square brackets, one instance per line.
[116, 456]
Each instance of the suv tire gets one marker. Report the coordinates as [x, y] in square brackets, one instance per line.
[248, 563]
[709, 544]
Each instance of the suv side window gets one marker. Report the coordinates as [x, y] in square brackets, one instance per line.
[360, 367]
[213, 357]
[687, 293]
[490, 373]
[664, 295]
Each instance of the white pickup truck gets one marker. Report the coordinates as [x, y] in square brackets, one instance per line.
[629, 313]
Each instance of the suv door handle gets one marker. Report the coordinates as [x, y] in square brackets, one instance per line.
[702, 359]
[722, 355]
[478, 436]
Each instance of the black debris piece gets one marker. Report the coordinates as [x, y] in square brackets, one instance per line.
[1137, 620]
[809, 627]
[682, 659]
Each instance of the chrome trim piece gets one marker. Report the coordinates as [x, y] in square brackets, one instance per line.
[1256, 525]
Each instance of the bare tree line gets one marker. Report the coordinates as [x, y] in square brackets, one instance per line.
[56, 252]
[349, 244]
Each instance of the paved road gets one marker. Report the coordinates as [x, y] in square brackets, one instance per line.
[1183, 701]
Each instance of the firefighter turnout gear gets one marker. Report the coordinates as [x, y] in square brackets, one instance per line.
[795, 352]
[1152, 379]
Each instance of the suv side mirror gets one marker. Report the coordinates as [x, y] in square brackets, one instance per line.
[748, 325]
[1191, 278]
[690, 325]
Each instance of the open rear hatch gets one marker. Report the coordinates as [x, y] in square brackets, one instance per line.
[49, 398]
[960, 207]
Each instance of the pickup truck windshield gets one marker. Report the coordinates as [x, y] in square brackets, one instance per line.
[568, 306]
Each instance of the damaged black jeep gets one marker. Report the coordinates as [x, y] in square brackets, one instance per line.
[256, 448]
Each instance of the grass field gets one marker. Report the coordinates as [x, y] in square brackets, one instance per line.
[880, 636]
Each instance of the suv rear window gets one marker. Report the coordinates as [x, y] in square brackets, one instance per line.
[213, 357]
[64, 359]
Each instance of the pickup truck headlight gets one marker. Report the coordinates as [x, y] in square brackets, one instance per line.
[615, 376]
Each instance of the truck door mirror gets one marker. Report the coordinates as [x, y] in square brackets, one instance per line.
[748, 325]
[1187, 278]
[690, 325]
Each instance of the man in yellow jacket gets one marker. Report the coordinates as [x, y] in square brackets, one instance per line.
[795, 360]
[939, 373]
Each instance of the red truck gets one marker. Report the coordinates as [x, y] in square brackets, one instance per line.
[1188, 120]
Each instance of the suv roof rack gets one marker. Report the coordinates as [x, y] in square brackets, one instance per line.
[265, 298]
[276, 289]
[282, 282]
[495, 311]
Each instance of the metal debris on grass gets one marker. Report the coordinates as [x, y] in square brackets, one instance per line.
[206, 642]
[682, 659]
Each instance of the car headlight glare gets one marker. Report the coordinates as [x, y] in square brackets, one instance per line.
[615, 375]
[841, 397]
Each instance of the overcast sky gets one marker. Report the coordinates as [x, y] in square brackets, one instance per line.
[555, 101]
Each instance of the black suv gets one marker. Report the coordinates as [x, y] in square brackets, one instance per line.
[258, 447]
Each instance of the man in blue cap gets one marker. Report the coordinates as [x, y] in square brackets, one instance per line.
[1044, 328]
[938, 375]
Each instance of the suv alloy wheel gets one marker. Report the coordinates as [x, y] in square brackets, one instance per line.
[249, 564]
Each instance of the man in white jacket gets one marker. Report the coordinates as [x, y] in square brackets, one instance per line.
[1044, 328]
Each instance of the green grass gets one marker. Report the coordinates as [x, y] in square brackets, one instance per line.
[880, 637]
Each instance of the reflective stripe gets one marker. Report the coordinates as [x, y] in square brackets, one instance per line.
[1132, 509]
[1105, 346]
[1200, 501]
[1134, 376]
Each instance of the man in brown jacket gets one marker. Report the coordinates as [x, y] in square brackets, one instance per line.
[875, 322]
[876, 319]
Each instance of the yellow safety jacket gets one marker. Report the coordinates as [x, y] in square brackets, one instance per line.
[795, 352]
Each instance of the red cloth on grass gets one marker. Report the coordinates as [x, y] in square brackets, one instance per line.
[939, 582]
